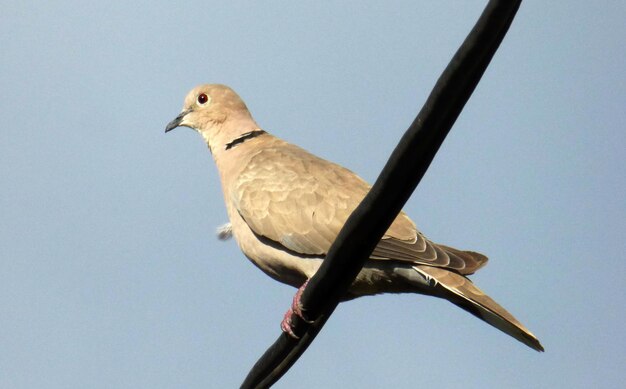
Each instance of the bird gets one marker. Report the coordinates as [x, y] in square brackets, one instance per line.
[286, 206]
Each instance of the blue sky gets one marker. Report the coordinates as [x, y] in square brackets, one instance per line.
[111, 274]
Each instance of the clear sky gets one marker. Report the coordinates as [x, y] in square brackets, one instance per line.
[111, 275]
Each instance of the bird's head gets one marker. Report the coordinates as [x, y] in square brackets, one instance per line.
[216, 112]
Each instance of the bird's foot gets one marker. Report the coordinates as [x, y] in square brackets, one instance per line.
[296, 309]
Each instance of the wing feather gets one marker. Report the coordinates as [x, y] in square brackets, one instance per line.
[301, 201]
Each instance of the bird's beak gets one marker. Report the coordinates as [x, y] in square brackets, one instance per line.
[176, 122]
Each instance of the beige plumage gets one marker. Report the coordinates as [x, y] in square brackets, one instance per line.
[286, 207]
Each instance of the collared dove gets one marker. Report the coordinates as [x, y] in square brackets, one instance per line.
[286, 207]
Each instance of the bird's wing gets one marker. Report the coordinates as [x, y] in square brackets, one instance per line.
[301, 201]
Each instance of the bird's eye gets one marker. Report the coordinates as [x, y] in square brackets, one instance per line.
[202, 98]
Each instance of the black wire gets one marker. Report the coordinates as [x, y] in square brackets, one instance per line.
[397, 181]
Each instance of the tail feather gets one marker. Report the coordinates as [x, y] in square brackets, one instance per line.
[463, 293]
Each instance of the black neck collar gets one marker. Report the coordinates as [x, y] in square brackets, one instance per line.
[244, 137]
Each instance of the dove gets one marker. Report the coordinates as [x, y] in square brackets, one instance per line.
[286, 207]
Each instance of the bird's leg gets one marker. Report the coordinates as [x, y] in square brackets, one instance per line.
[296, 309]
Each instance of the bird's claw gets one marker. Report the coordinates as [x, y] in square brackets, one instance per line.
[296, 309]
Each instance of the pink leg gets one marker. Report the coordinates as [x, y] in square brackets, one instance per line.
[296, 309]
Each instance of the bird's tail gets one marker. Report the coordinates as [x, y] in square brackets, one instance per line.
[463, 293]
